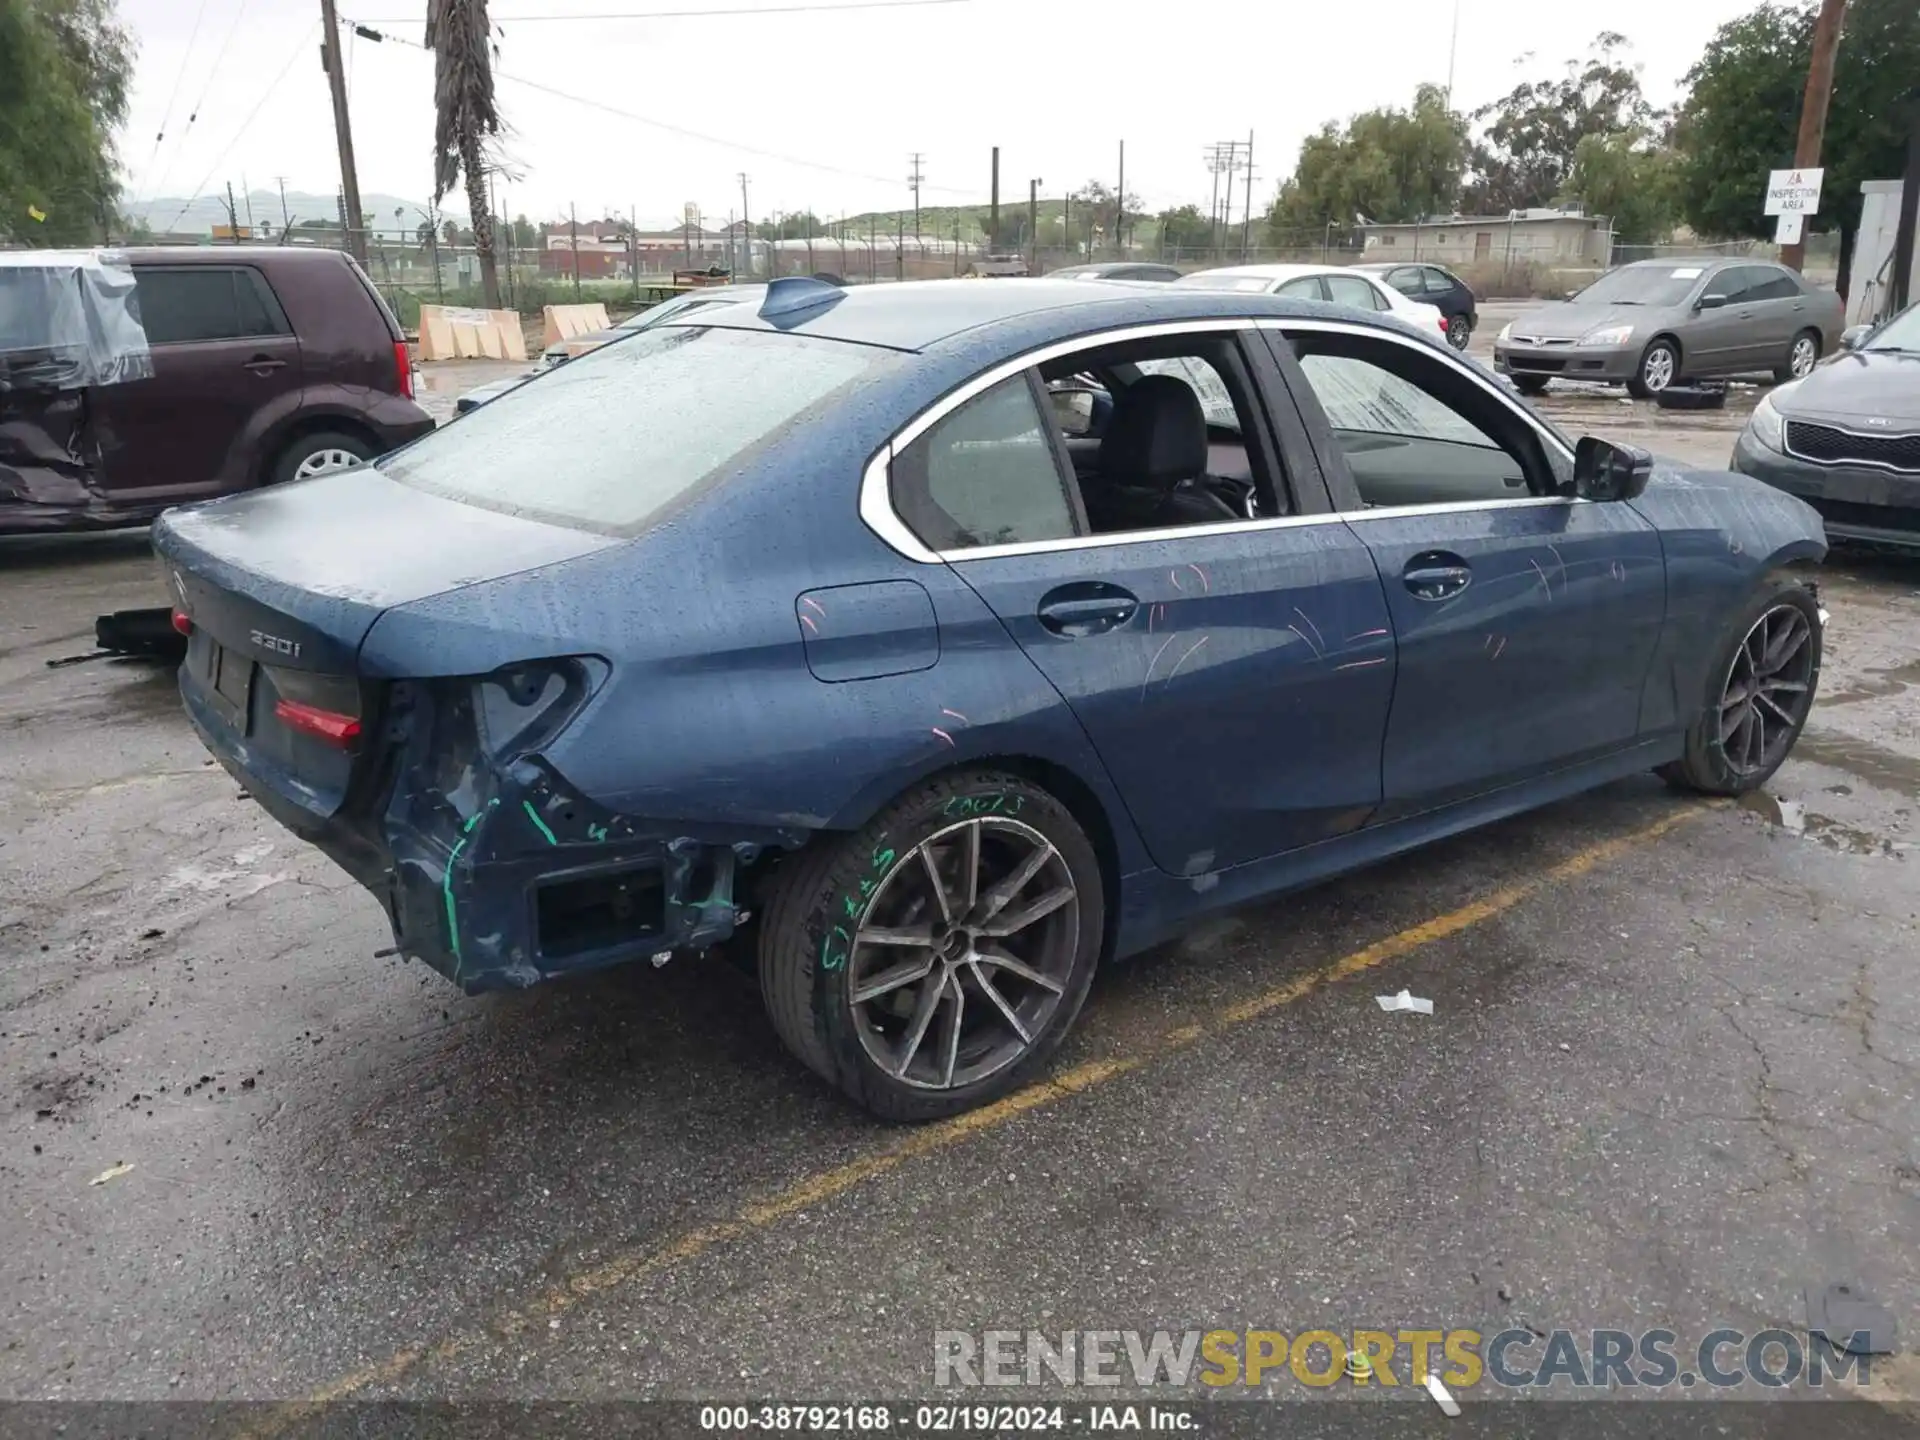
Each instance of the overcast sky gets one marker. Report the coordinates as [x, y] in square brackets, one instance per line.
[822, 110]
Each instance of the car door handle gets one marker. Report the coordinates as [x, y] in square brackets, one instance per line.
[1436, 575]
[1086, 608]
[265, 364]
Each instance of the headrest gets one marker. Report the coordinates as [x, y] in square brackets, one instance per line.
[1157, 435]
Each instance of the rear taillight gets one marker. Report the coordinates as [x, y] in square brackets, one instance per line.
[327, 725]
[403, 367]
[182, 624]
[1443, 324]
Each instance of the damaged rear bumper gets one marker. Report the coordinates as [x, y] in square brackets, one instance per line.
[510, 876]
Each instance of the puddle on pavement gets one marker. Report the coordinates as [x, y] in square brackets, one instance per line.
[1876, 764]
[1793, 818]
[1882, 682]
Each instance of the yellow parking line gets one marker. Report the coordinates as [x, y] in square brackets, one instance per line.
[817, 1189]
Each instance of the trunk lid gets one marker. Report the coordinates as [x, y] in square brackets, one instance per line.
[279, 589]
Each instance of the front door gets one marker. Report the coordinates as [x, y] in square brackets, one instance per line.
[1233, 673]
[222, 349]
[1720, 341]
[1524, 622]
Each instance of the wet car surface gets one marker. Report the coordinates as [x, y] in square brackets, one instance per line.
[1670, 1078]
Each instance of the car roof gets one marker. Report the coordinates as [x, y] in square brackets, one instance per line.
[1398, 265]
[1265, 272]
[917, 315]
[228, 254]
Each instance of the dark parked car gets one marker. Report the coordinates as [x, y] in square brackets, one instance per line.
[268, 364]
[819, 629]
[1656, 323]
[1439, 287]
[1846, 439]
[1116, 270]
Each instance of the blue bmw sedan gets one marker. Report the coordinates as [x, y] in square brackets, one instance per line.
[925, 645]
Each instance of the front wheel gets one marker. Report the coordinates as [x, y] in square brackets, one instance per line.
[1659, 368]
[1759, 692]
[934, 960]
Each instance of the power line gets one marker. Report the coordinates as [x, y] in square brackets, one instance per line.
[266, 95]
[802, 9]
[179, 78]
[200, 104]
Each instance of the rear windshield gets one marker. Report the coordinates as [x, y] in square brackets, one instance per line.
[608, 440]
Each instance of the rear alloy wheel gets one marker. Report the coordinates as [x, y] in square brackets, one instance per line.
[934, 961]
[325, 452]
[1659, 368]
[1459, 332]
[1763, 681]
[1802, 356]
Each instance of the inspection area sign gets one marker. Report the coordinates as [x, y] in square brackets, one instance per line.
[1793, 192]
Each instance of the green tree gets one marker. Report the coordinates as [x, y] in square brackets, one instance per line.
[65, 68]
[1184, 228]
[1526, 151]
[1742, 114]
[1096, 205]
[1631, 176]
[466, 118]
[1386, 164]
[797, 226]
[525, 234]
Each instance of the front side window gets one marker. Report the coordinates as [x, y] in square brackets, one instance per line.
[610, 439]
[985, 474]
[1400, 421]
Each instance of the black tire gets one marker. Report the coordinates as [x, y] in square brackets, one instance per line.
[1640, 387]
[1784, 372]
[304, 448]
[1530, 384]
[1460, 331]
[822, 894]
[1706, 767]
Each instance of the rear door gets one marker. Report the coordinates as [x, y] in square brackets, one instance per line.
[1780, 306]
[1525, 623]
[222, 349]
[1234, 673]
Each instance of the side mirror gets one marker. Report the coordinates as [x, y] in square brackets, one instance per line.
[1603, 470]
[1851, 337]
[1571, 295]
[1073, 411]
[1710, 302]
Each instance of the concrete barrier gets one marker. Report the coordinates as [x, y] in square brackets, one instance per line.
[450, 332]
[564, 322]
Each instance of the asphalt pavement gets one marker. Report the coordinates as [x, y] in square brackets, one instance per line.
[1672, 1080]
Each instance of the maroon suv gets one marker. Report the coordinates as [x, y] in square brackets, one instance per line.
[268, 364]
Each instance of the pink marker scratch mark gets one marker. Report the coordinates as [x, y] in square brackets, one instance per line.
[956, 715]
[943, 734]
[1151, 665]
[1362, 664]
[1366, 635]
[807, 620]
[1319, 640]
[1192, 650]
[814, 605]
[1304, 641]
[1205, 584]
[1618, 571]
[1544, 584]
[1498, 648]
[1174, 576]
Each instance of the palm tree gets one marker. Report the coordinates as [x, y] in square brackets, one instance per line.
[466, 116]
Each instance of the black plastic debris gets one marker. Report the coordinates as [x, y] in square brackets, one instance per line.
[146, 633]
[1851, 1319]
[1701, 395]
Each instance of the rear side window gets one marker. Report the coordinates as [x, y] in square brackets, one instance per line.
[984, 475]
[1352, 290]
[1774, 285]
[608, 440]
[207, 302]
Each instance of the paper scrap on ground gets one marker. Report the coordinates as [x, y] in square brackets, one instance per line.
[1449, 1406]
[112, 1174]
[1405, 1000]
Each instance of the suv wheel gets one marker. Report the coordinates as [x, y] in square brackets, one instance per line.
[321, 453]
[934, 960]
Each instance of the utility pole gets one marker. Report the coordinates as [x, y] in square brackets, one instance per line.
[1453, 49]
[1901, 290]
[1120, 208]
[1033, 225]
[246, 193]
[1246, 217]
[342, 129]
[746, 228]
[233, 218]
[286, 222]
[993, 212]
[1813, 107]
[573, 238]
[913, 182]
